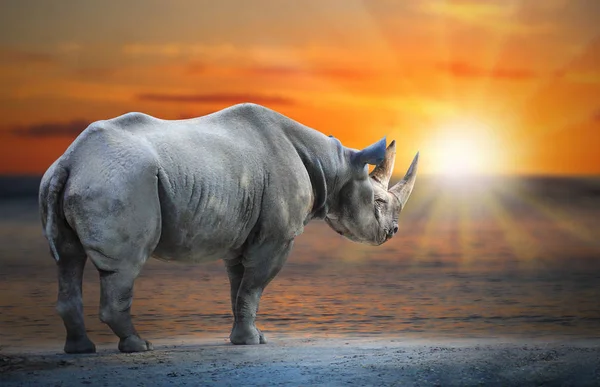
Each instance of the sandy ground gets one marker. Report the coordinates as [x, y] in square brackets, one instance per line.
[326, 362]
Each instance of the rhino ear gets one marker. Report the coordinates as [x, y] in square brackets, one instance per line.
[373, 154]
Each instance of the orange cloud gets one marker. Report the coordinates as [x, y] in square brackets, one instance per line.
[584, 77]
[340, 73]
[465, 70]
[217, 98]
[467, 10]
[494, 16]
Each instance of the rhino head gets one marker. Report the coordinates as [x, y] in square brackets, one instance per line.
[366, 210]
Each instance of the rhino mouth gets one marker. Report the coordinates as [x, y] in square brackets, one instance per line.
[345, 232]
[339, 228]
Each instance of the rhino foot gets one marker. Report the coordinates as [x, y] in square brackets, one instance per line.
[83, 345]
[134, 344]
[261, 337]
[246, 335]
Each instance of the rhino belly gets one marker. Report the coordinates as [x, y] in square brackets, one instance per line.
[198, 249]
[215, 233]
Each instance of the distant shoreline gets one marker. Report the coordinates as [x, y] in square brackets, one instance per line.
[19, 186]
[25, 186]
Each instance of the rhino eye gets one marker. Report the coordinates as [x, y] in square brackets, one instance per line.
[380, 201]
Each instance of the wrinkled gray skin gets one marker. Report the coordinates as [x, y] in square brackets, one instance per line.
[238, 185]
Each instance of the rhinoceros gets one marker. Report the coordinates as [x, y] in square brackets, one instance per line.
[238, 185]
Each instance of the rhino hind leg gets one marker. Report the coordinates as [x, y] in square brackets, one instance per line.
[70, 304]
[116, 297]
[260, 265]
[117, 219]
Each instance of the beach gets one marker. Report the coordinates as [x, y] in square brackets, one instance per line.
[321, 362]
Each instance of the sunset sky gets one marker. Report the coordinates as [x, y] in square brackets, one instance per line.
[510, 87]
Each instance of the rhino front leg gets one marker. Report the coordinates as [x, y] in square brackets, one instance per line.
[256, 269]
[235, 271]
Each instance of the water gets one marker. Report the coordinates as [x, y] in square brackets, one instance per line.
[490, 258]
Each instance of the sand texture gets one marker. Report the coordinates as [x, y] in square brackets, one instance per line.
[320, 362]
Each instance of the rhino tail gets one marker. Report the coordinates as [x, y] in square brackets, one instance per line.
[52, 203]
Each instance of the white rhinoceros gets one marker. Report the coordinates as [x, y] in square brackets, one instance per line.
[239, 185]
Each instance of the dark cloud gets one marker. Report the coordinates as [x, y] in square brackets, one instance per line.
[217, 98]
[20, 57]
[196, 68]
[338, 73]
[465, 70]
[52, 129]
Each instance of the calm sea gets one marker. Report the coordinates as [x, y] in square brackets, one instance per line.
[480, 258]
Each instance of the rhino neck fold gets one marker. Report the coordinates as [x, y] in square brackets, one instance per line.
[321, 156]
[319, 187]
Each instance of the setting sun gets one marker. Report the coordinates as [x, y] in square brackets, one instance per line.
[464, 148]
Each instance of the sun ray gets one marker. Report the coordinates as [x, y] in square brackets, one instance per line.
[531, 140]
[526, 100]
[499, 41]
[521, 103]
[559, 217]
[421, 201]
[524, 246]
[465, 231]
[410, 87]
[444, 49]
[582, 50]
[344, 36]
[433, 234]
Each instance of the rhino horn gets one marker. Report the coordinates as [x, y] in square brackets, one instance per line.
[383, 172]
[404, 187]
